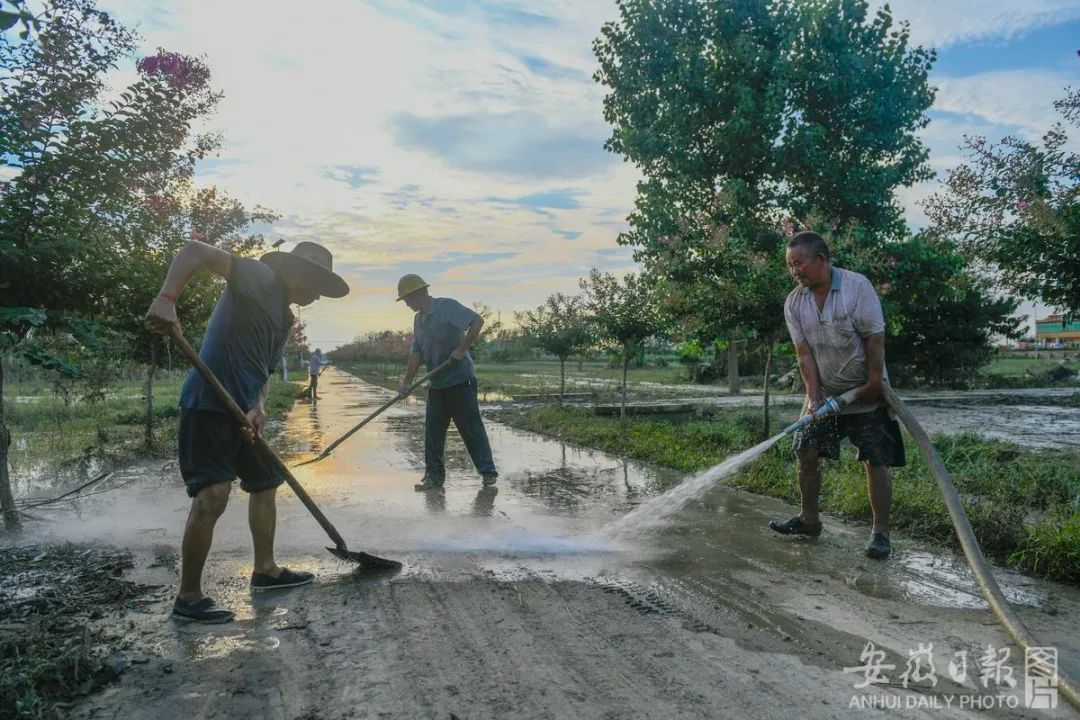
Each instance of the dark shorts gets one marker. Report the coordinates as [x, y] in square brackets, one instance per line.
[213, 450]
[875, 434]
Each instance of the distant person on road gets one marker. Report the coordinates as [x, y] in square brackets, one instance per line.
[835, 321]
[445, 329]
[315, 366]
[243, 342]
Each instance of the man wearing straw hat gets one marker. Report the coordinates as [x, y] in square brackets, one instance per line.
[244, 341]
[445, 329]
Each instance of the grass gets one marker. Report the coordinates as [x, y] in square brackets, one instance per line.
[50, 437]
[1023, 505]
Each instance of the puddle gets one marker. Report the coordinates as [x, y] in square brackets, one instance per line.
[213, 647]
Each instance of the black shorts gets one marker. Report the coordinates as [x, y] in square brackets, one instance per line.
[875, 434]
[213, 449]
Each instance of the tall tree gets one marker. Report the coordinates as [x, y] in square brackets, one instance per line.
[741, 115]
[1013, 207]
[623, 313]
[560, 327]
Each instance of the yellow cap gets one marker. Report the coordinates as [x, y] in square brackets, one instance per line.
[409, 284]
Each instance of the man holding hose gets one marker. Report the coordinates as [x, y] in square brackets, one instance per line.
[835, 321]
[244, 340]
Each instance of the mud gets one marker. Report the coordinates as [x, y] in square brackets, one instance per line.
[512, 604]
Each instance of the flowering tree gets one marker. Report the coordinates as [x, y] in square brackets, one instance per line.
[1014, 208]
[97, 193]
[382, 347]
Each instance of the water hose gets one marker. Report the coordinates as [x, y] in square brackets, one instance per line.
[983, 575]
[832, 406]
[981, 569]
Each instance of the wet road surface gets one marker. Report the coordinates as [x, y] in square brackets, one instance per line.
[515, 603]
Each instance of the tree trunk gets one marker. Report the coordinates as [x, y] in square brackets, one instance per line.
[148, 435]
[562, 379]
[7, 500]
[768, 371]
[625, 368]
[734, 384]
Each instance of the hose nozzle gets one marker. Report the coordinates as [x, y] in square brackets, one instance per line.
[831, 406]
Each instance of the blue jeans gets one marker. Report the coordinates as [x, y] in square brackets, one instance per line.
[457, 403]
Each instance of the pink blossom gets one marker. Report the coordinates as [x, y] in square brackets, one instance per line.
[170, 63]
[1023, 205]
[157, 203]
[148, 65]
[180, 71]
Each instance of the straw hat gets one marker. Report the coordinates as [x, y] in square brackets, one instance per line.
[309, 265]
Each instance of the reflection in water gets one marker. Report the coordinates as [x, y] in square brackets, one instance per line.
[208, 647]
[435, 500]
[484, 504]
[941, 580]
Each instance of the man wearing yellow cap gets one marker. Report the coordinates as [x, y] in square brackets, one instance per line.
[443, 329]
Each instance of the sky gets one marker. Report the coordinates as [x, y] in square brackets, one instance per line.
[463, 139]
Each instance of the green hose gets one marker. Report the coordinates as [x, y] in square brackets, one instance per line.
[983, 575]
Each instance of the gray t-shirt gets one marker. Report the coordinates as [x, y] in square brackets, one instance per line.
[837, 333]
[244, 339]
[435, 336]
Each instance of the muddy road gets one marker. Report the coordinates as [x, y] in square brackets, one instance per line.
[514, 604]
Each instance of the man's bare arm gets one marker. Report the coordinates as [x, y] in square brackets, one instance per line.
[192, 258]
[811, 379]
[875, 367]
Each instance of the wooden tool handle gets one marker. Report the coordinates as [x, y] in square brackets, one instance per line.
[241, 417]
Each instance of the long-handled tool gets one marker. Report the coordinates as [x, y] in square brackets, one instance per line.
[340, 549]
[329, 448]
[306, 392]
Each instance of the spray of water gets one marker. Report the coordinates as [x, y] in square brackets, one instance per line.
[655, 511]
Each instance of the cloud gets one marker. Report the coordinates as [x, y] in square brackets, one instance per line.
[519, 144]
[541, 202]
[937, 23]
[568, 234]
[352, 175]
[1014, 98]
[540, 66]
